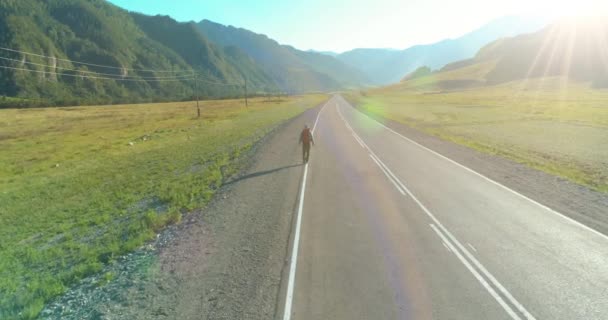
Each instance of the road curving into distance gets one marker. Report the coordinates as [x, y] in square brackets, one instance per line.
[388, 229]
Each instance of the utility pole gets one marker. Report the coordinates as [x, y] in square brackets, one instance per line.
[246, 104]
[198, 108]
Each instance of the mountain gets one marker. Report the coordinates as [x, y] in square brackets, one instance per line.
[128, 57]
[229, 62]
[418, 73]
[375, 63]
[327, 53]
[385, 66]
[291, 69]
[572, 48]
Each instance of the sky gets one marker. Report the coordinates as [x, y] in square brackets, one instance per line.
[342, 25]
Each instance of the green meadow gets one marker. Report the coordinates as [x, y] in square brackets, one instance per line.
[80, 186]
[552, 124]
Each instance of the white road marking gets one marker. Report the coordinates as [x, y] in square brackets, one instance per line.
[296, 238]
[317, 120]
[359, 140]
[386, 174]
[477, 276]
[352, 131]
[471, 246]
[446, 246]
[488, 179]
[478, 264]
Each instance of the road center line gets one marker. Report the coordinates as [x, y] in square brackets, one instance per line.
[358, 140]
[386, 174]
[471, 246]
[476, 274]
[296, 238]
[446, 246]
[478, 264]
[351, 130]
[488, 179]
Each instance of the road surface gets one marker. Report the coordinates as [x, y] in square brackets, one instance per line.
[387, 229]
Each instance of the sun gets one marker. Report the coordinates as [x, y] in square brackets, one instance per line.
[569, 8]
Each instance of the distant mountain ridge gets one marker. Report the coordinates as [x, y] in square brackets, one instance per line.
[571, 49]
[384, 66]
[156, 55]
[574, 48]
[160, 56]
[292, 69]
[132, 57]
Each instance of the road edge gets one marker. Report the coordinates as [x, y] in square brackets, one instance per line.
[584, 219]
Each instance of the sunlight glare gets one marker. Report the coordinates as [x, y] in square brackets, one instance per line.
[561, 8]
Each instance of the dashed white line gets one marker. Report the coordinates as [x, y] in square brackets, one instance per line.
[488, 179]
[477, 276]
[471, 246]
[478, 264]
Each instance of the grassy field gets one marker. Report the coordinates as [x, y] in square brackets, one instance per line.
[550, 124]
[81, 185]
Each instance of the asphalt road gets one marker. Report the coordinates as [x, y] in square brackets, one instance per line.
[387, 229]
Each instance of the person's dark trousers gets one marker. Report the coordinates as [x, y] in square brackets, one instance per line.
[305, 152]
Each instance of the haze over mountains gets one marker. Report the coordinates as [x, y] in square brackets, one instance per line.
[90, 51]
[292, 69]
[573, 49]
[384, 66]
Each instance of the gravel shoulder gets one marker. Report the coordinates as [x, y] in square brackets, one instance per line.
[573, 200]
[222, 262]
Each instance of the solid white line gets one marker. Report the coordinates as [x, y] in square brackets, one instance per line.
[477, 276]
[391, 174]
[519, 306]
[386, 174]
[470, 245]
[357, 137]
[478, 264]
[446, 246]
[488, 179]
[317, 120]
[358, 140]
[296, 238]
[294, 251]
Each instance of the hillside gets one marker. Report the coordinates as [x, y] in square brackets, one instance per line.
[384, 66]
[128, 57]
[418, 73]
[573, 49]
[292, 69]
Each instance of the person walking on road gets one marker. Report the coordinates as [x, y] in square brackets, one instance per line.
[306, 139]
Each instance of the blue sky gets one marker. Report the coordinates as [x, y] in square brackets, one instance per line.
[340, 25]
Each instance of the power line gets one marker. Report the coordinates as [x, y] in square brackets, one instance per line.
[220, 83]
[187, 76]
[93, 72]
[86, 63]
[92, 77]
[126, 79]
[168, 79]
